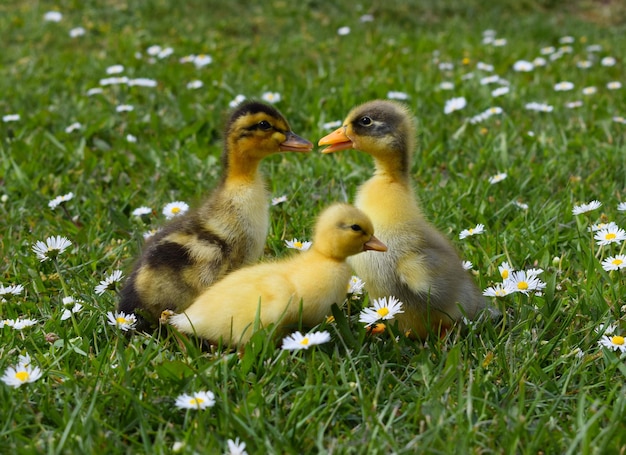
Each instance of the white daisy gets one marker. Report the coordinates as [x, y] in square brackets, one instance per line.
[130, 138]
[236, 447]
[331, 125]
[298, 245]
[489, 80]
[122, 320]
[523, 66]
[195, 84]
[499, 290]
[505, 270]
[615, 342]
[11, 290]
[141, 211]
[393, 95]
[343, 31]
[621, 206]
[297, 341]
[60, 199]
[124, 108]
[202, 60]
[21, 374]
[540, 61]
[617, 262]
[382, 309]
[118, 80]
[563, 86]
[589, 91]
[279, 200]
[521, 205]
[539, 107]
[500, 91]
[20, 324]
[76, 32]
[67, 313]
[584, 64]
[606, 329]
[467, 265]
[73, 127]
[479, 229]
[608, 61]
[497, 178]
[109, 283]
[484, 67]
[614, 85]
[523, 282]
[573, 104]
[94, 91]
[164, 53]
[142, 82]
[356, 285]
[115, 69]
[271, 97]
[454, 104]
[600, 226]
[11, 118]
[53, 16]
[612, 234]
[198, 400]
[237, 101]
[52, 247]
[566, 39]
[175, 208]
[446, 85]
[584, 208]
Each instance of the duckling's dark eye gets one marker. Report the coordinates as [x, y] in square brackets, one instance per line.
[356, 227]
[264, 125]
[365, 121]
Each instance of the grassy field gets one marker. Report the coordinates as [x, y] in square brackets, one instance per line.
[537, 382]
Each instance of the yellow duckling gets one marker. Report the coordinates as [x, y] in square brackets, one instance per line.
[422, 268]
[226, 232]
[301, 287]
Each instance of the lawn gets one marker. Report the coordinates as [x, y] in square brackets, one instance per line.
[122, 104]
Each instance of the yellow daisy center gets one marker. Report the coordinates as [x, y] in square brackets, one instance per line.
[382, 312]
[23, 376]
[297, 244]
[505, 274]
[121, 320]
[610, 236]
[175, 210]
[471, 231]
[618, 340]
[196, 401]
[523, 285]
[617, 261]
[305, 341]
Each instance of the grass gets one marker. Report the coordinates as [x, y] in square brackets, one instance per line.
[536, 383]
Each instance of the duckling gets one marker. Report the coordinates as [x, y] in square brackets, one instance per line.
[224, 233]
[301, 287]
[422, 268]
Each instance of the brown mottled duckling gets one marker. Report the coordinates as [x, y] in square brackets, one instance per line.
[223, 234]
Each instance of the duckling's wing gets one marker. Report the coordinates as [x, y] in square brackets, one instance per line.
[433, 270]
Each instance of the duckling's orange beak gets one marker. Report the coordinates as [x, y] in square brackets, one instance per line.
[295, 143]
[375, 245]
[337, 141]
